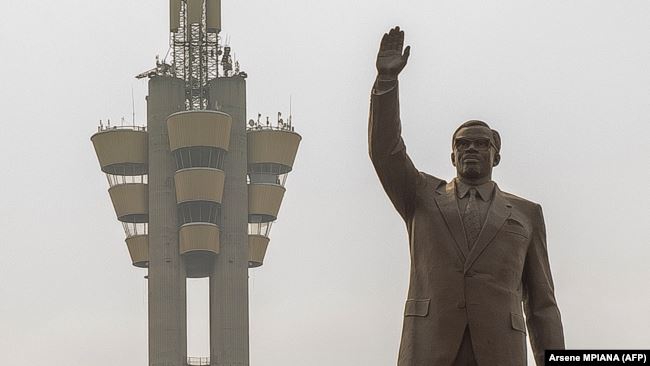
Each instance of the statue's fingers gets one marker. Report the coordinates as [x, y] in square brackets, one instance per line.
[407, 53]
[384, 41]
[397, 42]
[391, 41]
[388, 43]
[394, 33]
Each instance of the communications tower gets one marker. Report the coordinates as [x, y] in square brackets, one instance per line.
[197, 190]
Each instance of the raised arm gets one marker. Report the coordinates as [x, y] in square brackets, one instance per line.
[396, 172]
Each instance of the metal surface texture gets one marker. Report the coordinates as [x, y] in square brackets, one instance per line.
[477, 265]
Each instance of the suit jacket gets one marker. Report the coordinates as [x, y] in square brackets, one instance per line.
[452, 287]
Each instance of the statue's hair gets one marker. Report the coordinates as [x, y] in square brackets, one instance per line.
[495, 134]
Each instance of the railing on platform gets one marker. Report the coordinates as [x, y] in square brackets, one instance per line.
[102, 127]
[198, 361]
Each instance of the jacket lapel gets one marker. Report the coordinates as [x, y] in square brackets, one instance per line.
[448, 206]
[497, 215]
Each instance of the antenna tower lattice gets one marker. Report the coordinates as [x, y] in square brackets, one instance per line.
[195, 51]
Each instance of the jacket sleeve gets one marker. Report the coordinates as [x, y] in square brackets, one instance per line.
[542, 314]
[395, 169]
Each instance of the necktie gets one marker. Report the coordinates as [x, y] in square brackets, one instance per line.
[472, 219]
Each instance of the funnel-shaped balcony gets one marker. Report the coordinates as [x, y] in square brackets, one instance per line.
[275, 147]
[137, 241]
[199, 184]
[131, 202]
[257, 245]
[258, 241]
[264, 202]
[139, 250]
[123, 156]
[271, 154]
[199, 141]
[122, 151]
[199, 243]
[199, 128]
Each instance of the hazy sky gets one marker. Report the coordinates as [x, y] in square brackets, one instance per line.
[567, 83]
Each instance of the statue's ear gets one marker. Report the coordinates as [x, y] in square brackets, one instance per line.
[453, 159]
[497, 159]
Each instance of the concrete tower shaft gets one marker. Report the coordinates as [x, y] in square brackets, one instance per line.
[167, 294]
[229, 281]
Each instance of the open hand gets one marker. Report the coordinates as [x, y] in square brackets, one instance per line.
[390, 59]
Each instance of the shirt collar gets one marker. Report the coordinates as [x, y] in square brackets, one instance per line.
[484, 190]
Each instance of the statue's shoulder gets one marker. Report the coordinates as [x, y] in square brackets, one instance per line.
[521, 204]
[430, 181]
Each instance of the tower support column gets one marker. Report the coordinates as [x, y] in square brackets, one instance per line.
[167, 293]
[229, 281]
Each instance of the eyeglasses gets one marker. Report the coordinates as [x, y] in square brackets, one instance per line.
[479, 144]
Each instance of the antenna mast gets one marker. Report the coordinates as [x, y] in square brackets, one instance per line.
[132, 107]
[194, 41]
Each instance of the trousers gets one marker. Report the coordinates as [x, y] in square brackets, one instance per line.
[465, 356]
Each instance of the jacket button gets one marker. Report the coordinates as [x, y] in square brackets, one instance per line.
[461, 304]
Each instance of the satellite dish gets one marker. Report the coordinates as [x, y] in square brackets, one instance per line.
[251, 123]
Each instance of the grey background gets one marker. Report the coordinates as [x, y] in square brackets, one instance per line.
[567, 83]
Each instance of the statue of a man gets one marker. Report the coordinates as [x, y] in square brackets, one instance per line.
[477, 253]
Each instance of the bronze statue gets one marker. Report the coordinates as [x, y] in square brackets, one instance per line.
[477, 253]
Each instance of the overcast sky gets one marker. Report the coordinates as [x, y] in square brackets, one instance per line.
[567, 83]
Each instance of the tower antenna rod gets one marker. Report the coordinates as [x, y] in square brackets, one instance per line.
[132, 106]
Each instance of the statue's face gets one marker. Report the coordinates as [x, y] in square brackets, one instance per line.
[474, 154]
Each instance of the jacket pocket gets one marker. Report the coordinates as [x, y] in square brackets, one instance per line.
[417, 307]
[517, 322]
[515, 227]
